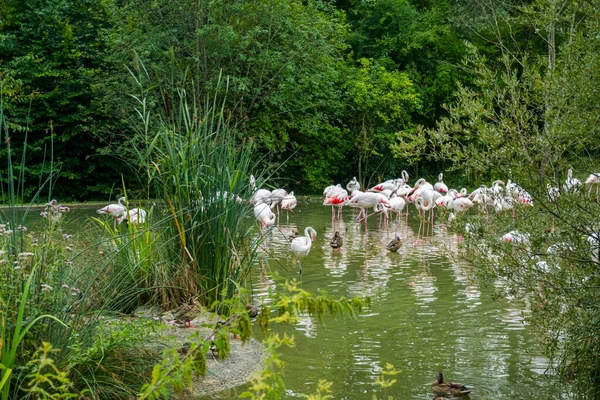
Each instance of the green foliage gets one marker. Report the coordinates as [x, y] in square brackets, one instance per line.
[382, 102]
[518, 121]
[53, 52]
[46, 380]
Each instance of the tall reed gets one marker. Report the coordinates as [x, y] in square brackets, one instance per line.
[199, 169]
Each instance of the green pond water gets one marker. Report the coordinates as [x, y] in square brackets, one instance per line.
[426, 314]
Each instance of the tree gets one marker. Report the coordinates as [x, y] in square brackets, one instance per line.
[55, 49]
[381, 103]
[283, 61]
[528, 117]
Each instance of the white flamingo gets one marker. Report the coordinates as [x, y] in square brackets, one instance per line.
[367, 200]
[264, 215]
[397, 204]
[391, 185]
[301, 245]
[404, 175]
[516, 237]
[277, 196]
[114, 210]
[353, 185]
[259, 195]
[459, 204]
[289, 202]
[134, 216]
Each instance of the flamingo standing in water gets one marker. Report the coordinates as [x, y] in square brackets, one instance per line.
[301, 245]
[288, 203]
[365, 201]
[264, 215]
[336, 197]
[397, 204]
[277, 197]
[114, 210]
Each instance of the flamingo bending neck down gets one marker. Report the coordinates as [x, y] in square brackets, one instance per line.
[134, 216]
[301, 245]
[264, 215]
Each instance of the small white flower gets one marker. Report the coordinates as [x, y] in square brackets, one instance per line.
[65, 286]
[46, 287]
[67, 236]
[26, 254]
[22, 228]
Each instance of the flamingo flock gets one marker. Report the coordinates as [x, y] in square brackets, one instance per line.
[389, 198]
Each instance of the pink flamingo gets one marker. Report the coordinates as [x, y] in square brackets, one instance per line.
[593, 179]
[114, 210]
[440, 186]
[365, 201]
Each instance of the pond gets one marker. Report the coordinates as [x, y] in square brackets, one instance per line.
[426, 315]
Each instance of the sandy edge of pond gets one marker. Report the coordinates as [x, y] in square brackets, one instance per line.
[239, 368]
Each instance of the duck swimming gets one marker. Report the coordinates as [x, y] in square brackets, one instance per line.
[295, 233]
[336, 241]
[394, 245]
[448, 388]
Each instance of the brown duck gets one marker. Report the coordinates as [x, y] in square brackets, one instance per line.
[448, 388]
[252, 310]
[336, 241]
[295, 233]
[394, 245]
[182, 315]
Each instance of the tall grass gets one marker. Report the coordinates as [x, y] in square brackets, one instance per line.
[198, 169]
[51, 291]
